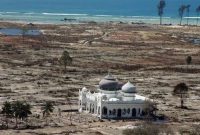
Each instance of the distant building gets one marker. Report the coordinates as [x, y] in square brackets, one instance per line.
[113, 100]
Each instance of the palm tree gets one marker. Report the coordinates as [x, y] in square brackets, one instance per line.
[7, 111]
[47, 109]
[16, 107]
[65, 59]
[181, 90]
[25, 112]
[188, 13]
[198, 12]
[181, 12]
[161, 6]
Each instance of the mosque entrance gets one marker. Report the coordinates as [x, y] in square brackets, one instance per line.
[104, 111]
[134, 112]
[119, 113]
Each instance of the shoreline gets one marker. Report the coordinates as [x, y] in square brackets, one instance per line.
[25, 23]
[64, 18]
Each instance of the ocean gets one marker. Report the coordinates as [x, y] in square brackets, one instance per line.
[54, 11]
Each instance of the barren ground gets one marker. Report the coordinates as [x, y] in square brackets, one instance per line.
[150, 56]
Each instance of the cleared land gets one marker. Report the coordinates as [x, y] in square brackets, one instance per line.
[150, 56]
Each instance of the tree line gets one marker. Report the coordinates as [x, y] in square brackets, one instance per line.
[20, 110]
[182, 10]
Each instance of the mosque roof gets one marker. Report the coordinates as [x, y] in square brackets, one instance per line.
[129, 88]
[108, 83]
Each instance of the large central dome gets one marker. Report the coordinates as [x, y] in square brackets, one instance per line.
[109, 83]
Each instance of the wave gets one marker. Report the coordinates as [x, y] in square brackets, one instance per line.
[103, 15]
[155, 17]
[63, 14]
[30, 13]
[11, 12]
[192, 17]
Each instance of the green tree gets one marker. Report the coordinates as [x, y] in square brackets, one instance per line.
[7, 111]
[161, 6]
[16, 107]
[181, 90]
[198, 12]
[47, 109]
[150, 109]
[188, 13]
[25, 112]
[181, 12]
[65, 59]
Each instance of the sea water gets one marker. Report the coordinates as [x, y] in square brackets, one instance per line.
[54, 11]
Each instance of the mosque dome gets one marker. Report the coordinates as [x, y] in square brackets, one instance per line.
[84, 89]
[129, 88]
[108, 83]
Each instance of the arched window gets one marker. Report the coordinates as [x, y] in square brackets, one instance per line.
[92, 110]
[139, 111]
[143, 113]
[128, 110]
[119, 113]
[114, 111]
[124, 111]
[110, 112]
[134, 112]
[104, 110]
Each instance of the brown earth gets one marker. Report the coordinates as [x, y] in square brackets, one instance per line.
[150, 56]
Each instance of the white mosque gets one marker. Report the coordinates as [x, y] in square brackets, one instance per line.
[113, 100]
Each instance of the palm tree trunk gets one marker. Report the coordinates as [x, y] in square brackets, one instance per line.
[26, 122]
[188, 18]
[182, 101]
[197, 19]
[160, 19]
[181, 21]
[46, 120]
[65, 68]
[16, 122]
[7, 122]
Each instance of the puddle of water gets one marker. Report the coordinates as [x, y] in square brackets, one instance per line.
[18, 32]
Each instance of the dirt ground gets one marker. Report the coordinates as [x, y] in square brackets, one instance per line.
[150, 56]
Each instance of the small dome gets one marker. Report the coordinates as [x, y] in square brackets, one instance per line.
[129, 88]
[84, 89]
[108, 83]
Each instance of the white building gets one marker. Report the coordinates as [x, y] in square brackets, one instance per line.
[113, 100]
